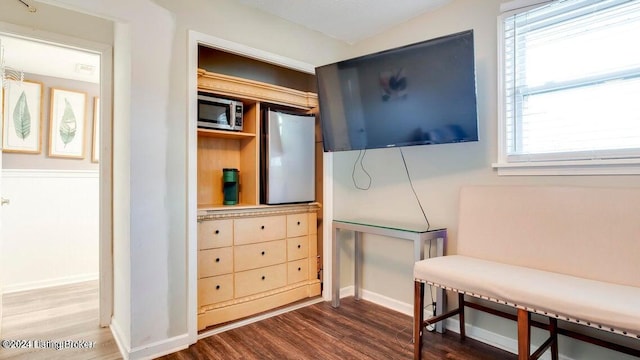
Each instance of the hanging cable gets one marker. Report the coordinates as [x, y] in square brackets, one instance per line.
[360, 158]
[30, 7]
[429, 327]
[413, 189]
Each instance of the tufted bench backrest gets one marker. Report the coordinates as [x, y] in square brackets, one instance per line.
[587, 232]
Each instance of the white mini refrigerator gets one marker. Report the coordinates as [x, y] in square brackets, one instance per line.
[287, 158]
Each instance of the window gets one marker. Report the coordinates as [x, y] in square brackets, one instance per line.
[570, 84]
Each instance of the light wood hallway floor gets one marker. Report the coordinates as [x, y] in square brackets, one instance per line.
[67, 312]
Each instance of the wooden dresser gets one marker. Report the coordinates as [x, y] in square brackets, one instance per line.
[255, 258]
[251, 257]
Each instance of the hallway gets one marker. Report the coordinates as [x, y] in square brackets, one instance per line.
[44, 317]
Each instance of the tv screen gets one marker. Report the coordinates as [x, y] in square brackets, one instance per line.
[420, 94]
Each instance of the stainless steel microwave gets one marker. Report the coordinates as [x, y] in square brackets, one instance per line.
[218, 113]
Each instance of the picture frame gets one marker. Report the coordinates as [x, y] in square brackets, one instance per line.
[95, 151]
[67, 123]
[22, 117]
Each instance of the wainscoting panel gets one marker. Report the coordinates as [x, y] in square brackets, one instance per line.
[49, 228]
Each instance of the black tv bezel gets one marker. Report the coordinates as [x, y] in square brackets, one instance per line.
[400, 49]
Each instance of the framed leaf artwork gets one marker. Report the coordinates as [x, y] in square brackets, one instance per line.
[67, 123]
[95, 151]
[22, 117]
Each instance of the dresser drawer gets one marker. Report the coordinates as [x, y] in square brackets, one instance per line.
[259, 280]
[297, 271]
[297, 225]
[254, 256]
[313, 222]
[215, 289]
[215, 233]
[214, 262]
[297, 248]
[254, 230]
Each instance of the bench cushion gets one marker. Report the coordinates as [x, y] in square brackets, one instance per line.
[612, 307]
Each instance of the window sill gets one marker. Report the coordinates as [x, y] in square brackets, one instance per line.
[566, 167]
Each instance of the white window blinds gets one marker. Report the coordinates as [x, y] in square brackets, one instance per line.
[571, 80]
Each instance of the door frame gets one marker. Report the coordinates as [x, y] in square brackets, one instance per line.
[105, 165]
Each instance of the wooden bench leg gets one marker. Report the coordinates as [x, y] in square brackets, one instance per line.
[553, 330]
[461, 315]
[524, 334]
[418, 319]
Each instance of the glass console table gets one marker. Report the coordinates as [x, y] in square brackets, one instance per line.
[418, 233]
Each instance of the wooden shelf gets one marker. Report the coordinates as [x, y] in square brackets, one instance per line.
[219, 149]
[204, 207]
[222, 134]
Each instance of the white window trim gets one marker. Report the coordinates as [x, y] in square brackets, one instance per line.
[575, 167]
[520, 4]
[627, 166]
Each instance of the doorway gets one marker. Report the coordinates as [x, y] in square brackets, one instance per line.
[70, 184]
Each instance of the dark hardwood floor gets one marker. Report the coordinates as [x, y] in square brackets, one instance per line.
[356, 330]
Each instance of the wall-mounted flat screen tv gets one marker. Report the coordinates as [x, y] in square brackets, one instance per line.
[419, 94]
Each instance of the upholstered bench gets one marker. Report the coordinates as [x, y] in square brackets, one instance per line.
[566, 253]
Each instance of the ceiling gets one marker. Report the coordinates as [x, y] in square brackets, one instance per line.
[35, 57]
[347, 20]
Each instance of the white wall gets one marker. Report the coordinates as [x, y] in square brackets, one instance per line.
[121, 320]
[247, 26]
[42, 160]
[439, 171]
[59, 25]
[150, 148]
[57, 20]
[50, 229]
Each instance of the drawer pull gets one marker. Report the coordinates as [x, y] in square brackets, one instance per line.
[299, 269]
[298, 222]
[262, 253]
[217, 287]
[262, 227]
[263, 277]
[299, 246]
[217, 232]
[217, 260]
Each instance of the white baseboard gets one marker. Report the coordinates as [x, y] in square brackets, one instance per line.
[150, 351]
[160, 348]
[177, 343]
[381, 300]
[49, 283]
[116, 331]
